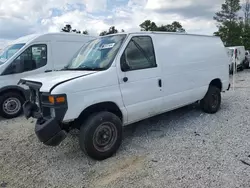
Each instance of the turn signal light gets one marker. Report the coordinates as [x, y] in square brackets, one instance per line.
[57, 99]
[51, 99]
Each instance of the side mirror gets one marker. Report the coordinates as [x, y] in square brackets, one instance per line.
[124, 65]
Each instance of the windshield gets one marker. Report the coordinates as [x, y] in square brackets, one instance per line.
[230, 52]
[97, 54]
[9, 51]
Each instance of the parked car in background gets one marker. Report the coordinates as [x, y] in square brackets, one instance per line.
[123, 78]
[237, 58]
[30, 55]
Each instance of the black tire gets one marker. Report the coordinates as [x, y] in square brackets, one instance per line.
[18, 100]
[90, 133]
[231, 69]
[212, 100]
[241, 67]
[246, 64]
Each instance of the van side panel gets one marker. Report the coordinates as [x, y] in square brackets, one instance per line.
[189, 63]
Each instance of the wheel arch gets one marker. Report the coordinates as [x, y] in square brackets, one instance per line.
[98, 107]
[15, 89]
[217, 83]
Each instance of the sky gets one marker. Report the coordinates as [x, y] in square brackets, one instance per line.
[23, 17]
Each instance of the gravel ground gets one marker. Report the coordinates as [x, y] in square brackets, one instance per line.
[184, 148]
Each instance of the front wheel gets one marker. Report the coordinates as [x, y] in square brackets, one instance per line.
[212, 100]
[11, 105]
[101, 135]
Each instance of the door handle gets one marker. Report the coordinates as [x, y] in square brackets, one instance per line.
[125, 79]
[160, 83]
[48, 71]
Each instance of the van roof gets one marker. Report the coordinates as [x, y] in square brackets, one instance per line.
[162, 32]
[29, 38]
[233, 47]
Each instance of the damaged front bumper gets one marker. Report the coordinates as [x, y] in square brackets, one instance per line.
[48, 129]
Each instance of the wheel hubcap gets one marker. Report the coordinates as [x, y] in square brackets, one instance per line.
[105, 137]
[11, 106]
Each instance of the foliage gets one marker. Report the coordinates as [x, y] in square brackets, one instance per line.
[147, 25]
[111, 30]
[229, 23]
[85, 32]
[246, 27]
[68, 29]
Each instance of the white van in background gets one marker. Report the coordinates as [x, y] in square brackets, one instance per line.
[120, 79]
[31, 55]
[237, 58]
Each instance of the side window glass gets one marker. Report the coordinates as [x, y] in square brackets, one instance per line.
[139, 54]
[39, 55]
[32, 58]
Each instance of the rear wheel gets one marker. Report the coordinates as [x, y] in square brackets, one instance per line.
[101, 135]
[242, 66]
[246, 64]
[212, 100]
[11, 105]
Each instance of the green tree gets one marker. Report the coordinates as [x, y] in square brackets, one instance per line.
[76, 31]
[103, 33]
[177, 27]
[246, 27]
[229, 24]
[147, 25]
[151, 26]
[111, 30]
[174, 27]
[67, 28]
[85, 32]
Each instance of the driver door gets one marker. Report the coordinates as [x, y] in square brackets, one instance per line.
[140, 79]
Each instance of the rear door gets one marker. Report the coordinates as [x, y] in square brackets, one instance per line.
[139, 78]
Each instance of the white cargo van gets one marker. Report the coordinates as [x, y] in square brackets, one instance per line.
[120, 79]
[237, 56]
[31, 55]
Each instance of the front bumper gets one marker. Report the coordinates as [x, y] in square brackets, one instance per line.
[48, 129]
[49, 132]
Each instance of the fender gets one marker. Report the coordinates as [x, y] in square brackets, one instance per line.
[25, 92]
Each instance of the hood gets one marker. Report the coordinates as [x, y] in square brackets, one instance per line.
[48, 81]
